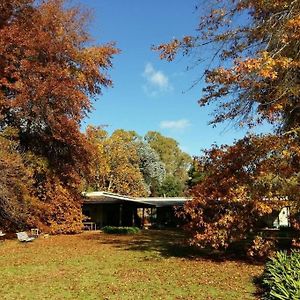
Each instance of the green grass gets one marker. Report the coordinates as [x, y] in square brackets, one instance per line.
[93, 265]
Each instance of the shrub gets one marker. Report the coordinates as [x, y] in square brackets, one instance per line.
[120, 230]
[261, 248]
[281, 278]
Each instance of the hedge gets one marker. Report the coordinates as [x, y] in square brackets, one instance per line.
[120, 230]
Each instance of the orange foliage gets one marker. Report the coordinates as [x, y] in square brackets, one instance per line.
[15, 183]
[47, 76]
[261, 78]
[252, 77]
[234, 195]
[116, 163]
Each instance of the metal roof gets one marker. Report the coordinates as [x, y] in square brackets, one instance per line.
[164, 201]
[112, 198]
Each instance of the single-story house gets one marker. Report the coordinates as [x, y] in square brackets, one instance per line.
[105, 208]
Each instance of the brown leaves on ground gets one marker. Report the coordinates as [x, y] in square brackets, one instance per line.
[99, 266]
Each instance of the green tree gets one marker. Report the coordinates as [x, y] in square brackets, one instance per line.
[175, 160]
[171, 187]
[196, 172]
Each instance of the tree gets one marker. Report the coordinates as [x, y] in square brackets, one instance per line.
[152, 168]
[15, 185]
[257, 45]
[48, 73]
[241, 184]
[171, 187]
[196, 172]
[176, 161]
[116, 164]
[253, 77]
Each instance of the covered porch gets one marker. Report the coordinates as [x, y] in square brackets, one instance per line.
[108, 209]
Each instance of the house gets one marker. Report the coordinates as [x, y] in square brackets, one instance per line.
[105, 208]
[280, 218]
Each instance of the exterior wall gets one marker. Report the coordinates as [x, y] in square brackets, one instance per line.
[283, 218]
[278, 219]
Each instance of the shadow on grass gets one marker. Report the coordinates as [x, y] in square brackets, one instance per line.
[257, 281]
[168, 243]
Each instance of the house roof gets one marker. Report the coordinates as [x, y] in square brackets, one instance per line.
[164, 201]
[102, 197]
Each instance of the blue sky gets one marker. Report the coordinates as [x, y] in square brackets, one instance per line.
[150, 94]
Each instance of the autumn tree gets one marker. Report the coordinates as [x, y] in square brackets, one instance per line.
[116, 163]
[126, 163]
[15, 183]
[257, 47]
[252, 78]
[242, 184]
[175, 160]
[48, 73]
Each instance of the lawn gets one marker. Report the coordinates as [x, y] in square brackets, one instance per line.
[94, 265]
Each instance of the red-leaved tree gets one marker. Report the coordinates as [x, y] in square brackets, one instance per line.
[48, 73]
[251, 78]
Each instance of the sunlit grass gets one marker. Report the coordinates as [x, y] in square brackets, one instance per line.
[149, 265]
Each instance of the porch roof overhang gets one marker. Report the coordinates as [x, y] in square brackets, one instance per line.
[111, 198]
[165, 201]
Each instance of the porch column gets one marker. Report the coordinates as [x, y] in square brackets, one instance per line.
[120, 215]
[143, 219]
[133, 216]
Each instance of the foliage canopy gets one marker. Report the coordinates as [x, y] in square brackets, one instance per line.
[48, 72]
[252, 78]
[256, 44]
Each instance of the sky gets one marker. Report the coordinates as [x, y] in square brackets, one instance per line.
[149, 93]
